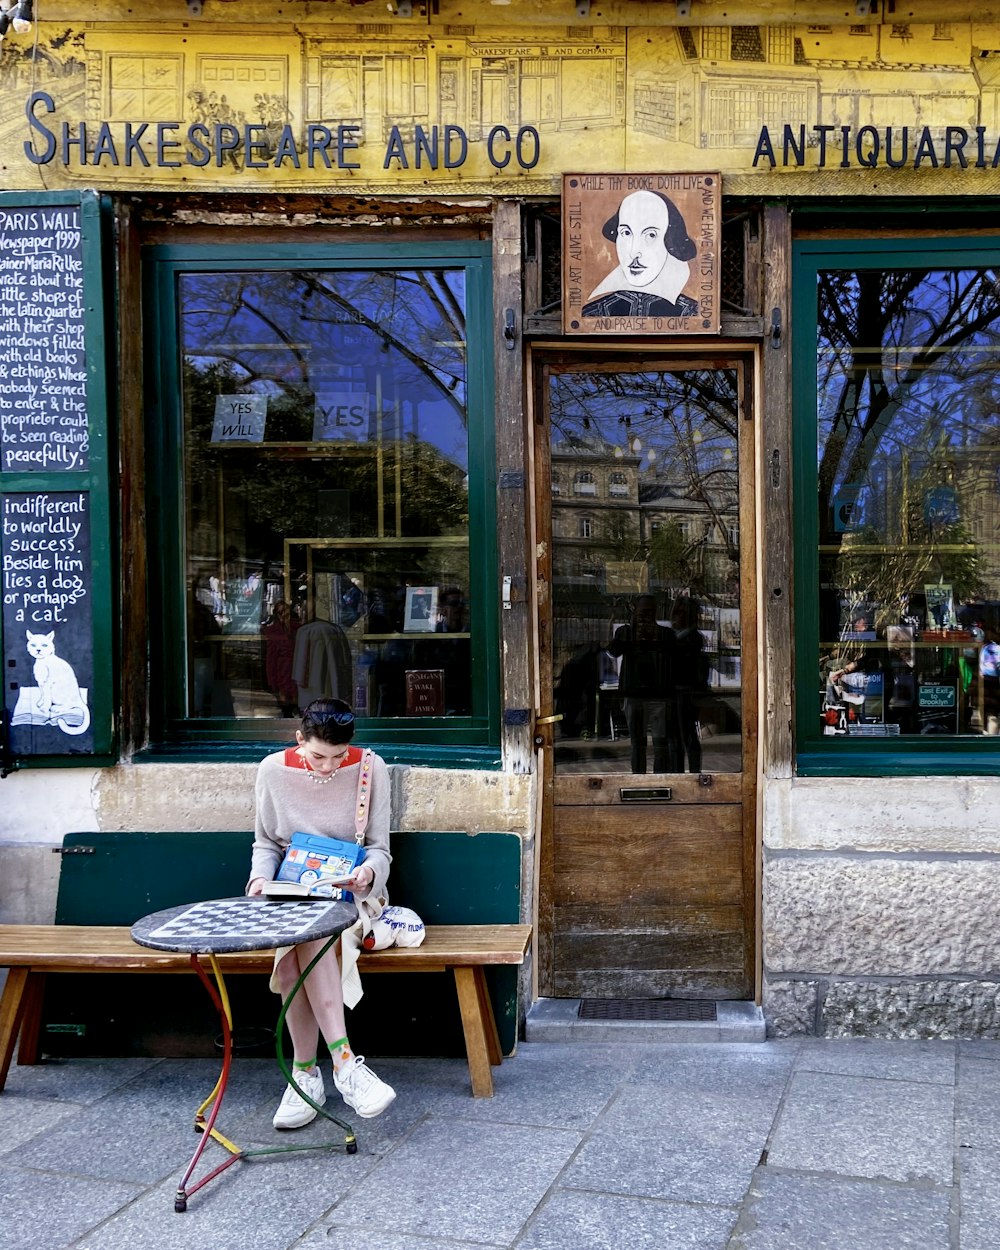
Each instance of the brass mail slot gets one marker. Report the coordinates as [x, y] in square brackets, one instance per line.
[655, 794]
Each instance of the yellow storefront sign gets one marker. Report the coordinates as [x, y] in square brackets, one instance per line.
[488, 109]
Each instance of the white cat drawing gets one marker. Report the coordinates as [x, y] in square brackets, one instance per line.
[60, 698]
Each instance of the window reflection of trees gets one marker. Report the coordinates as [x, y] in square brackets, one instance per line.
[677, 432]
[395, 339]
[283, 329]
[908, 393]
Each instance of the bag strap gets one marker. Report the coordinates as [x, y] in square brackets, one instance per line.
[364, 786]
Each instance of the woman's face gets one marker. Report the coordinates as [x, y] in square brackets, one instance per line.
[322, 757]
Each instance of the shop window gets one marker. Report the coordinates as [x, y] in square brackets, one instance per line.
[328, 531]
[898, 451]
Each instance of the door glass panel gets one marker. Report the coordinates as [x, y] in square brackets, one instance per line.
[645, 570]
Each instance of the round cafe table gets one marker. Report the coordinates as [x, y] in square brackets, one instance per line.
[224, 926]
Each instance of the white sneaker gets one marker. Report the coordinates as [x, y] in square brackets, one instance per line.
[293, 1110]
[362, 1089]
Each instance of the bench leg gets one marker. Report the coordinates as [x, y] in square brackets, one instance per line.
[28, 1048]
[19, 994]
[482, 1045]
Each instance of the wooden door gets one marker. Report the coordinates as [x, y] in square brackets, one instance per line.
[646, 592]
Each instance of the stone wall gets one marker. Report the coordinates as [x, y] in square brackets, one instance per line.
[39, 806]
[881, 907]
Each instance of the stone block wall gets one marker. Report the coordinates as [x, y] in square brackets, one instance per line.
[881, 907]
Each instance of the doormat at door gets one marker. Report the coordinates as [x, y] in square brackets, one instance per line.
[646, 1009]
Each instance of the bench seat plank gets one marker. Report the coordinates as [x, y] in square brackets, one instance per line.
[93, 947]
[31, 951]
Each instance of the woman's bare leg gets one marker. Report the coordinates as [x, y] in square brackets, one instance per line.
[319, 1004]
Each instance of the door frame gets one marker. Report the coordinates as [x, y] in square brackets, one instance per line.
[635, 358]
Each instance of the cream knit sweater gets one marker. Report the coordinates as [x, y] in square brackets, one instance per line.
[289, 802]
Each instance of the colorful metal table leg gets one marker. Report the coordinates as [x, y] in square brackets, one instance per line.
[206, 1128]
[350, 1141]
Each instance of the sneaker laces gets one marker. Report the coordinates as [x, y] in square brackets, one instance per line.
[358, 1073]
[300, 1082]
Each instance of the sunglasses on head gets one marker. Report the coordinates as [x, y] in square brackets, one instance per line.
[338, 718]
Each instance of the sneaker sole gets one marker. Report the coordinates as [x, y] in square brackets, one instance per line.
[370, 1115]
[299, 1123]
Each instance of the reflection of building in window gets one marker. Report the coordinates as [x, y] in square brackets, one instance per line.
[618, 484]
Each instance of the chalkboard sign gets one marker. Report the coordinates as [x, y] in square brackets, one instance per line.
[55, 517]
[47, 621]
[43, 366]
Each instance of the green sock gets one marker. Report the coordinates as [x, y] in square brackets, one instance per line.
[304, 1067]
[341, 1052]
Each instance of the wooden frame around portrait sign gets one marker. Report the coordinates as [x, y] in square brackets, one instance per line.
[641, 253]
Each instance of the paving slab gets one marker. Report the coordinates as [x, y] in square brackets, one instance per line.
[459, 1179]
[738, 1069]
[886, 1060]
[856, 1126]
[46, 1213]
[691, 1145]
[978, 1103]
[786, 1212]
[334, 1238]
[257, 1204]
[572, 1219]
[558, 1086]
[23, 1118]
[980, 1190]
[976, 1048]
[144, 1130]
[79, 1080]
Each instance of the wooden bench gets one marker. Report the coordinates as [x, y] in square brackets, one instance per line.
[31, 952]
[107, 881]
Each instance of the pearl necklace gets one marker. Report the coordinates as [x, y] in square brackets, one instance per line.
[313, 775]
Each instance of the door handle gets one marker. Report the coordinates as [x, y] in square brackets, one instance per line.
[548, 720]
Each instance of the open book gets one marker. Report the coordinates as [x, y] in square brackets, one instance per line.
[325, 887]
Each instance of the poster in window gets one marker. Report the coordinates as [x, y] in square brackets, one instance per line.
[239, 419]
[940, 606]
[340, 415]
[425, 692]
[420, 610]
[641, 253]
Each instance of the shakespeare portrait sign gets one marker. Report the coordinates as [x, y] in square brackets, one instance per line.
[641, 253]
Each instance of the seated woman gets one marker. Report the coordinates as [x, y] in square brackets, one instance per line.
[313, 788]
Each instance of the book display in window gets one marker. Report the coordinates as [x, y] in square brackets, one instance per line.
[425, 692]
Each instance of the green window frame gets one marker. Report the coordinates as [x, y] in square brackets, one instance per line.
[458, 740]
[816, 754]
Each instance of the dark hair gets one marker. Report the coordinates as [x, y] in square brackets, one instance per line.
[676, 239]
[329, 720]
